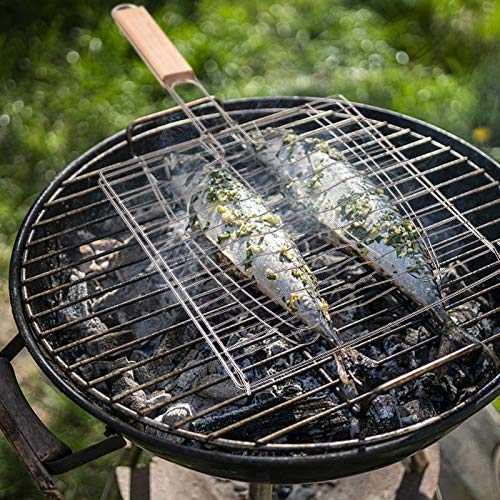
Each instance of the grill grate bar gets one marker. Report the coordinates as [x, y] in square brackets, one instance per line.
[182, 346]
[453, 237]
[53, 271]
[127, 245]
[110, 309]
[130, 301]
[384, 388]
[326, 358]
[125, 283]
[93, 205]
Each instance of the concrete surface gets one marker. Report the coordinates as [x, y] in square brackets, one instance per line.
[470, 459]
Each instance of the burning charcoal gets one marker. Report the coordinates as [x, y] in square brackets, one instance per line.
[382, 415]
[337, 424]
[92, 326]
[441, 392]
[158, 397]
[210, 423]
[412, 337]
[87, 371]
[392, 344]
[289, 389]
[138, 355]
[161, 355]
[190, 378]
[100, 263]
[263, 397]
[221, 391]
[354, 428]
[176, 412]
[137, 400]
[384, 407]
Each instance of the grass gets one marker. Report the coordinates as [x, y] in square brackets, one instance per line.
[68, 80]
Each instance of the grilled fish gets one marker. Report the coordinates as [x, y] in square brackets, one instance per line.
[356, 214]
[249, 236]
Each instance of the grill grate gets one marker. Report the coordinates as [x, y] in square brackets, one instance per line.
[65, 285]
[142, 186]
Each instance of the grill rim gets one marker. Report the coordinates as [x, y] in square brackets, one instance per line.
[261, 468]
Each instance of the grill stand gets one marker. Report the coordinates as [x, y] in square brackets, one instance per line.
[261, 491]
[415, 478]
[41, 451]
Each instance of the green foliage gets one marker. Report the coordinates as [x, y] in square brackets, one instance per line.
[69, 79]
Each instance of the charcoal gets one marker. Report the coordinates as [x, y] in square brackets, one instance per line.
[176, 412]
[392, 344]
[335, 424]
[415, 411]
[384, 407]
[412, 337]
[158, 397]
[161, 354]
[354, 428]
[138, 399]
[263, 397]
[221, 391]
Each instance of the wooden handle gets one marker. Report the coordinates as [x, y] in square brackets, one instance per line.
[151, 43]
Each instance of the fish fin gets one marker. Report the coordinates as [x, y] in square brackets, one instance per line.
[344, 374]
[349, 362]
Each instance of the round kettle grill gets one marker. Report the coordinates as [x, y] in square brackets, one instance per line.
[58, 268]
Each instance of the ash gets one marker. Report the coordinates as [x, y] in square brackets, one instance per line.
[162, 366]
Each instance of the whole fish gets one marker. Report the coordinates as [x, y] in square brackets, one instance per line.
[250, 237]
[356, 214]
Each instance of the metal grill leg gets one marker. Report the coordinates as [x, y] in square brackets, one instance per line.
[128, 458]
[261, 491]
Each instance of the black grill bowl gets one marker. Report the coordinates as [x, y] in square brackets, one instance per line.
[271, 464]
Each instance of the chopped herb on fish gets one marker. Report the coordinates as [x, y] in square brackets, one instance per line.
[252, 239]
[357, 214]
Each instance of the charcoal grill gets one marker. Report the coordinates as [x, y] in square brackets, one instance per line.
[92, 312]
[74, 201]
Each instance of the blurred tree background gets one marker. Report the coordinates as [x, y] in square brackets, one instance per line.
[69, 80]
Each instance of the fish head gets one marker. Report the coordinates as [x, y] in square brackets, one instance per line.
[267, 144]
[184, 174]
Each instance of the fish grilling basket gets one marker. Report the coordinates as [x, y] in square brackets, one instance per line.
[276, 289]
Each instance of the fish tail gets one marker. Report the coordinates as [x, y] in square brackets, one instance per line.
[454, 332]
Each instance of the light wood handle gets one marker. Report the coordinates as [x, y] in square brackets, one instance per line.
[151, 43]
